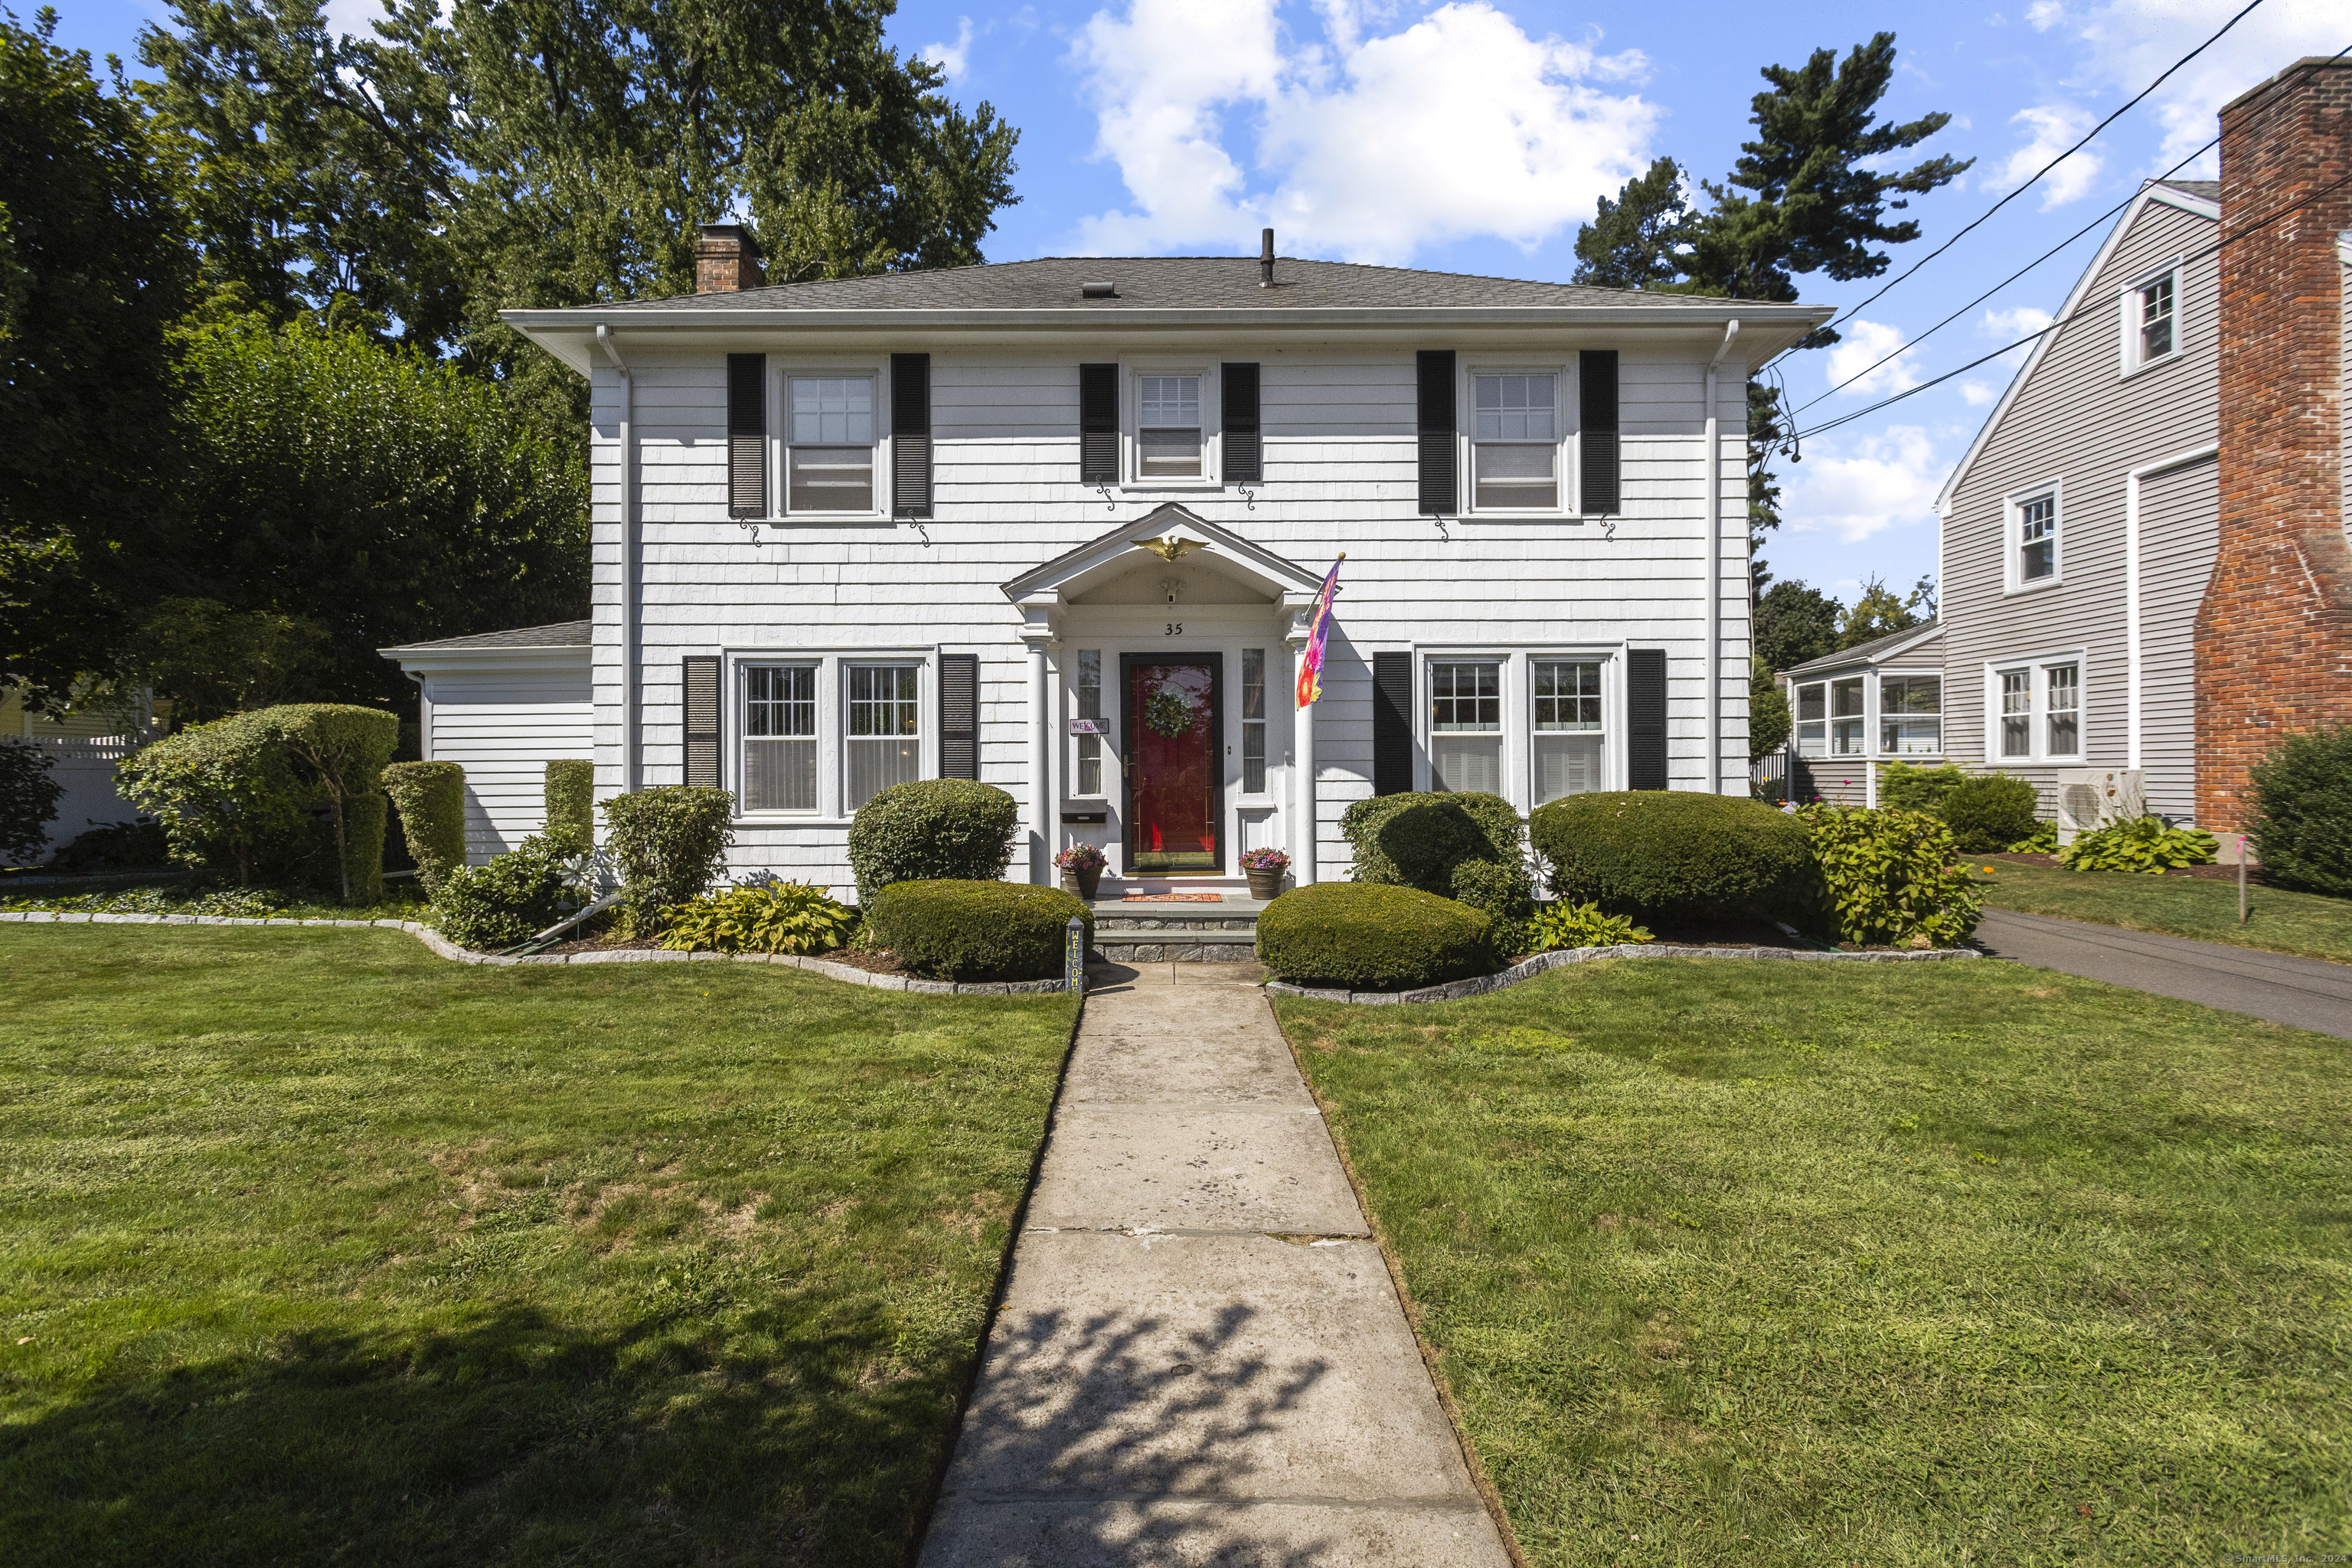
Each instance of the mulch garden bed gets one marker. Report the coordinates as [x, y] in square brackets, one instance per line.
[872, 962]
[2255, 877]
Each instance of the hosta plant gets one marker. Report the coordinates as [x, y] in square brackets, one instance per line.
[779, 917]
[2144, 844]
[1565, 925]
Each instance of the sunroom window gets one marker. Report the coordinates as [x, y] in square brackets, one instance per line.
[1813, 721]
[829, 464]
[1514, 445]
[1910, 715]
[1847, 725]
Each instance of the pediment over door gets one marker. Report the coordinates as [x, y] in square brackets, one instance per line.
[1130, 564]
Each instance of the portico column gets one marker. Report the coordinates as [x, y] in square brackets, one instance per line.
[1302, 771]
[1042, 803]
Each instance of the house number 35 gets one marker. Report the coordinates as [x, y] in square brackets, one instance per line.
[1175, 629]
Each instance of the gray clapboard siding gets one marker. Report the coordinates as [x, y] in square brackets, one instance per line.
[2180, 515]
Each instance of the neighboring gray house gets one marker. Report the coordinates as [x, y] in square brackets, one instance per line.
[2080, 530]
[1857, 711]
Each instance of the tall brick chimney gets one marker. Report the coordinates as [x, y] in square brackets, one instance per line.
[2274, 632]
[726, 258]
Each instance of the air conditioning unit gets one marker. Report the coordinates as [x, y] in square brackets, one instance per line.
[2090, 799]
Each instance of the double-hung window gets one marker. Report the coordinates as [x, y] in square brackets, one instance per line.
[1910, 715]
[2016, 712]
[1168, 427]
[1090, 707]
[1848, 727]
[1813, 721]
[2062, 710]
[1515, 443]
[2039, 711]
[2151, 321]
[829, 457]
[885, 737]
[1252, 721]
[1465, 726]
[780, 747]
[1568, 734]
[2036, 520]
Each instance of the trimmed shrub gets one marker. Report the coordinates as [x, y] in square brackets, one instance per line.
[431, 800]
[28, 799]
[115, 846]
[931, 830]
[569, 793]
[512, 897]
[1566, 925]
[670, 842]
[2302, 824]
[227, 795]
[1908, 787]
[1888, 878]
[953, 929]
[1371, 936]
[1670, 856]
[1989, 812]
[343, 750]
[776, 916]
[1416, 838]
[2144, 844]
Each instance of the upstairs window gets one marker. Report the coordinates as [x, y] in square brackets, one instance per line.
[2034, 553]
[1568, 739]
[2151, 321]
[1168, 427]
[1515, 444]
[829, 464]
[1910, 715]
[1465, 724]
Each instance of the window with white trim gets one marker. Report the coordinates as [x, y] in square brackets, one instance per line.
[780, 741]
[1812, 719]
[2034, 530]
[2016, 712]
[2039, 711]
[1849, 730]
[1090, 707]
[1568, 733]
[1465, 725]
[1168, 427]
[884, 725]
[1515, 443]
[1910, 715]
[1252, 721]
[829, 444]
[2062, 701]
[2151, 320]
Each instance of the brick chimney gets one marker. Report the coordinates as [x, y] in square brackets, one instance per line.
[2274, 632]
[726, 258]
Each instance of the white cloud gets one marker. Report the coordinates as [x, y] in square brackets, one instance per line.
[1864, 343]
[1362, 145]
[2008, 326]
[1977, 393]
[2045, 15]
[952, 57]
[2128, 43]
[1858, 489]
[2053, 128]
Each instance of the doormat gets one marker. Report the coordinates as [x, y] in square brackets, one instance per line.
[1172, 899]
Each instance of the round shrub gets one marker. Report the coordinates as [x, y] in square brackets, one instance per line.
[951, 929]
[2302, 825]
[227, 795]
[931, 830]
[1888, 878]
[1371, 936]
[511, 897]
[1670, 856]
[670, 842]
[1990, 812]
[431, 800]
[1416, 838]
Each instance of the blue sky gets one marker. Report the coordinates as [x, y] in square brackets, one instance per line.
[1474, 137]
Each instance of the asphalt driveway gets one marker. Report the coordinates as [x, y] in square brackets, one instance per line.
[2303, 992]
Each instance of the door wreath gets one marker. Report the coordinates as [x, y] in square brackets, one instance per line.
[1168, 713]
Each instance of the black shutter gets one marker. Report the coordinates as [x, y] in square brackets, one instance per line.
[702, 705]
[910, 434]
[747, 435]
[1597, 436]
[1391, 723]
[1440, 493]
[959, 716]
[1099, 424]
[1244, 449]
[1645, 718]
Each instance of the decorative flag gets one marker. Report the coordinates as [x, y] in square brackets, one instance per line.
[1310, 668]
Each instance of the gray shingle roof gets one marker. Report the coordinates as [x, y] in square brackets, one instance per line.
[562, 634]
[2209, 189]
[1160, 283]
[1864, 653]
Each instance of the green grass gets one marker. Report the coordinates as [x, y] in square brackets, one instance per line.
[314, 1247]
[1795, 1263]
[401, 900]
[2310, 924]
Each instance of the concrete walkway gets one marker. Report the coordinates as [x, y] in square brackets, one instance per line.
[2303, 992]
[1200, 1359]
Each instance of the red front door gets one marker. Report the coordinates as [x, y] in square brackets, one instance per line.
[1171, 724]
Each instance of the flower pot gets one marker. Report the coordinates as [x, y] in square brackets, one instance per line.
[1083, 883]
[1264, 885]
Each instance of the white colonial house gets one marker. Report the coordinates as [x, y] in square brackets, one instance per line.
[1058, 525]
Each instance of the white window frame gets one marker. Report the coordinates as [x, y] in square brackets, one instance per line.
[1606, 733]
[2038, 669]
[1797, 725]
[1565, 414]
[1518, 710]
[1879, 716]
[1264, 724]
[2131, 360]
[780, 438]
[1108, 772]
[832, 665]
[1130, 427]
[2012, 537]
[925, 744]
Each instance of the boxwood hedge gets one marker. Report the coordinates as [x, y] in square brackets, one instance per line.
[951, 929]
[1370, 936]
[931, 830]
[1670, 854]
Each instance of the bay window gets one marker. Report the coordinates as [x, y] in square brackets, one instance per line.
[1568, 729]
[829, 455]
[780, 750]
[1465, 726]
[1515, 444]
[1910, 715]
[885, 727]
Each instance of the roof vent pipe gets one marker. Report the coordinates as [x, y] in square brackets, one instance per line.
[1265, 258]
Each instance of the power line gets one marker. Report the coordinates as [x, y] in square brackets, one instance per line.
[2255, 228]
[2054, 163]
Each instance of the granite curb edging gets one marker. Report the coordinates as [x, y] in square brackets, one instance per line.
[441, 945]
[1527, 969]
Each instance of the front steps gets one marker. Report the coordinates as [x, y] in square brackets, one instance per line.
[1177, 933]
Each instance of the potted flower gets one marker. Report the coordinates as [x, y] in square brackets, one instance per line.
[1264, 868]
[1082, 868]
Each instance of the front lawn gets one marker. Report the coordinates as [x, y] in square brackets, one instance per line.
[1752, 1263]
[2279, 921]
[315, 1247]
